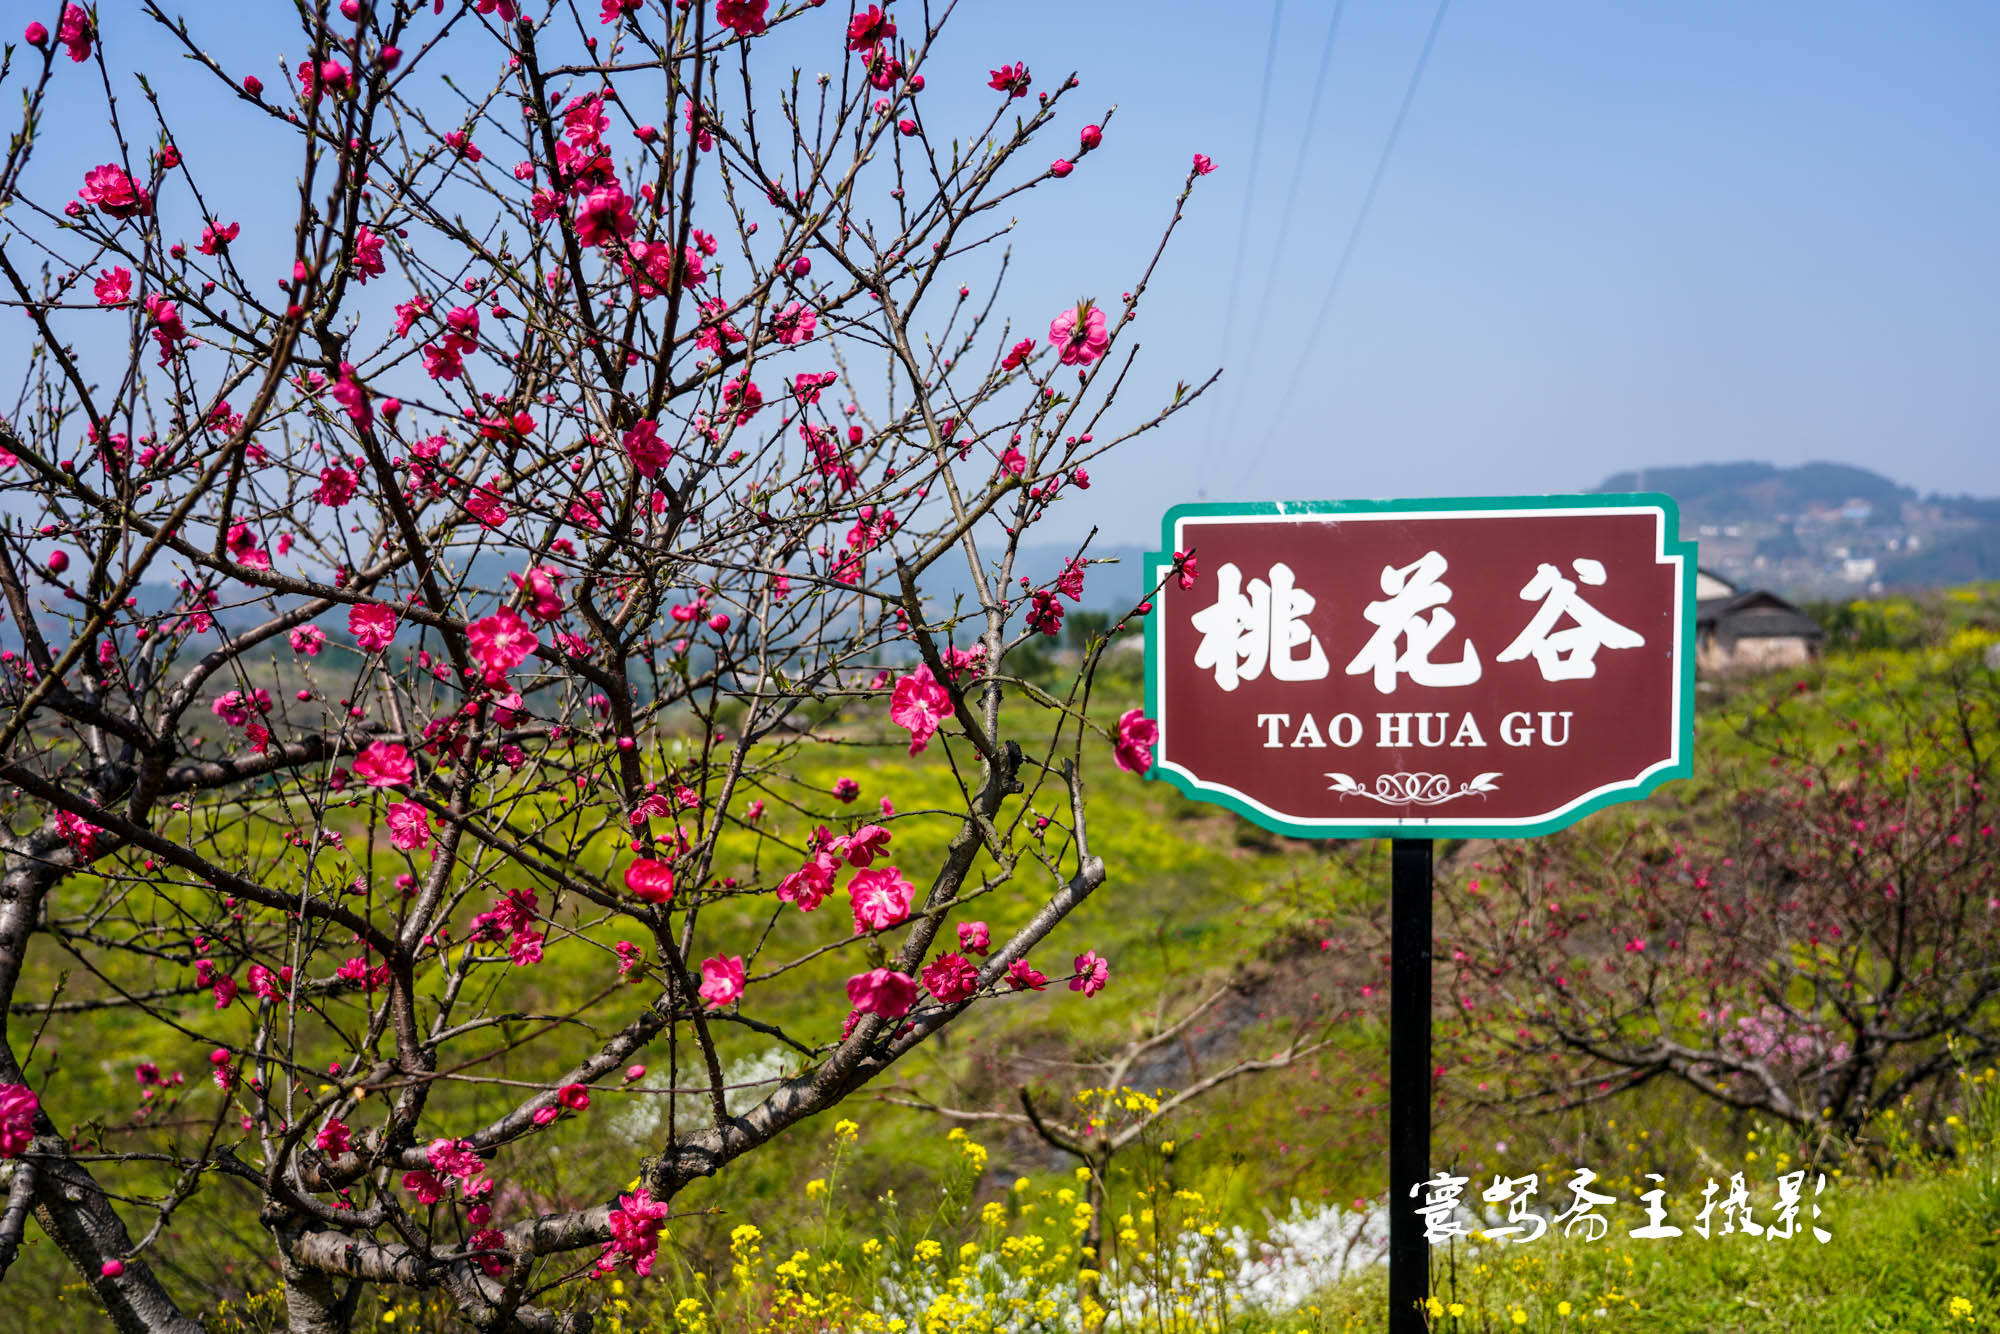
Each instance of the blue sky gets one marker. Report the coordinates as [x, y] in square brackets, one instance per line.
[1610, 235]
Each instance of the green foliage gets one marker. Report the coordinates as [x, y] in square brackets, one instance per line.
[1194, 895]
[1906, 623]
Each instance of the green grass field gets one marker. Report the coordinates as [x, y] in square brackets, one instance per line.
[1195, 899]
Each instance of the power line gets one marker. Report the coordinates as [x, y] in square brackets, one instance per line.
[1353, 236]
[1250, 189]
[1291, 204]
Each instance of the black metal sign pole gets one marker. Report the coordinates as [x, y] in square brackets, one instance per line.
[1409, 1078]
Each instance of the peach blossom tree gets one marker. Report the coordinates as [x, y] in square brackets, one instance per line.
[440, 537]
[1816, 952]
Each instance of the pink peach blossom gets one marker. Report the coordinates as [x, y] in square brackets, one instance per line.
[880, 898]
[372, 625]
[538, 585]
[1137, 735]
[722, 980]
[1080, 334]
[111, 188]
[409, 826]
[501, 642]
[1010, 79]
[861, 846]
[425, 1186]
[18, 1106]
[635, 1224]
[385, 764]
[811, 883]
[882, 991]
[75, 32]
[795, 323]
[647, 451]
[951, 978]
[1092, 971]
[1023, 976]
[604, 215]
[113, 286]
[652, 881]
[746, 17]
[352, 396]
[920, 704]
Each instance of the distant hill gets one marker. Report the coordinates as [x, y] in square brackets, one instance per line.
[1825, 529]
[1729, 492]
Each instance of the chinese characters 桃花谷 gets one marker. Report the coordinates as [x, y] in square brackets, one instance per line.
[1567, 655]
[1411, 591]
[1249, 628]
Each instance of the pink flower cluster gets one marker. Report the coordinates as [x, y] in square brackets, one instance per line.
[1137, 735]
[644, 447]
[79, 833]
[951, 978]
[812, 882]
[513, 916]
[919, 703]
[113, 191]
[539, 585]
[569, 1098]
[385, 764]
[453, 1166]
[219, 983]
[18, 1107]
[267, 985]
[882, 991]
[635, 1233]
[1772, 1035]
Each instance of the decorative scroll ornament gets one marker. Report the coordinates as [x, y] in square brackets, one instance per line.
[1412, 789]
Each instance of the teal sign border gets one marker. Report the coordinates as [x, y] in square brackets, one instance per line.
[1158, 563]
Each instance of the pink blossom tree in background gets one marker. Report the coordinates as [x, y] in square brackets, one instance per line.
[1819, 955]
[430, 553]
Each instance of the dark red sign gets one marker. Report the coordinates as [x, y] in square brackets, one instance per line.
[1498, 666]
